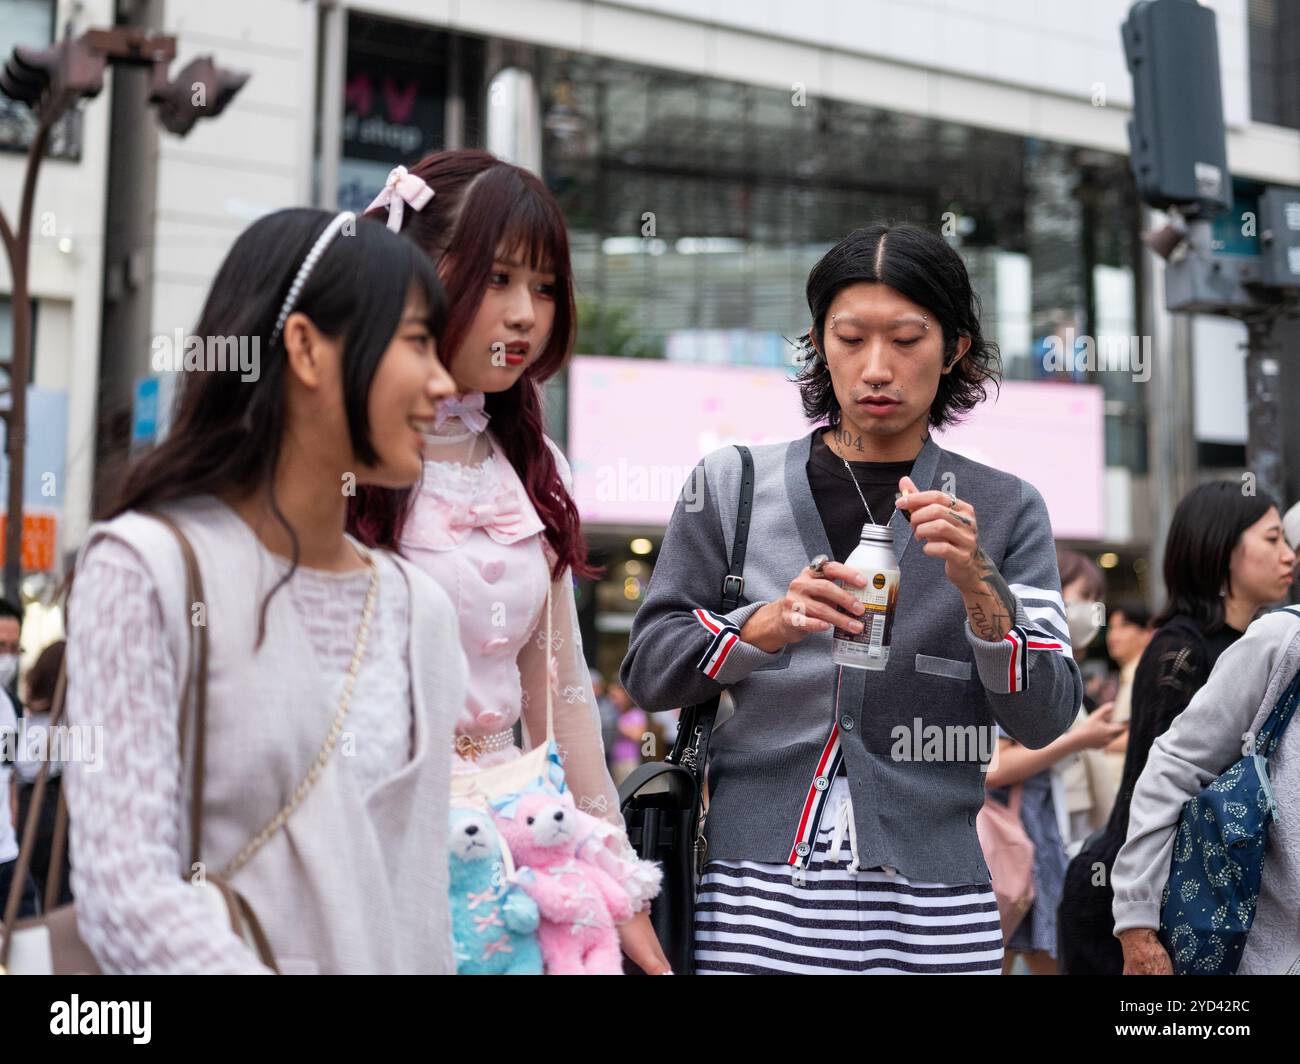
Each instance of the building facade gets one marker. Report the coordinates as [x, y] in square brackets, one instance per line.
[706, 154]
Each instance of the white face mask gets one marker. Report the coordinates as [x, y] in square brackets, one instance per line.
[1082, 618]
[8, 669]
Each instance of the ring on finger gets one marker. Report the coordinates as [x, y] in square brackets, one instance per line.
[952, 500]
[818, 564]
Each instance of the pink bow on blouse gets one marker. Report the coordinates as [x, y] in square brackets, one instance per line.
[500, 518]
[437, 522]
[401, 188]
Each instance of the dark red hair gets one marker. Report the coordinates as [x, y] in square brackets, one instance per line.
[480, 205]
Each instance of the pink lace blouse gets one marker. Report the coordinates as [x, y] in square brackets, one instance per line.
[474, 529]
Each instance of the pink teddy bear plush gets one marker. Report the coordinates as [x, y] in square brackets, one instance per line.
[579, 902]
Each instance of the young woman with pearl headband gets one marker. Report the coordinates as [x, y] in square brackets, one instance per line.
[493, 519]
[333, 672]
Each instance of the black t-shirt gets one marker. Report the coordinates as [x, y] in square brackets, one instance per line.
[838, 504]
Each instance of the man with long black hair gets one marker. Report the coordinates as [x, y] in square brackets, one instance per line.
[887, 761]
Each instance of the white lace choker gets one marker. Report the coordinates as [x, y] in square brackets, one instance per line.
[453, 430]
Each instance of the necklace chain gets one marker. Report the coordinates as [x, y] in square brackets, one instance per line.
[858, 488]
[331, 740]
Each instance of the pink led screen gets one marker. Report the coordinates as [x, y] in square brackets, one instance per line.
[637, 427]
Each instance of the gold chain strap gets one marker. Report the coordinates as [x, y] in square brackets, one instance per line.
[331, 740]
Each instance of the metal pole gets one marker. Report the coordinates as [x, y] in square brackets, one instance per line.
[1171, 462]
[333, 59]
[18, 245]
[1263, 410]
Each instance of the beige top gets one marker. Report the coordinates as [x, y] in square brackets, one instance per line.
[356, 881]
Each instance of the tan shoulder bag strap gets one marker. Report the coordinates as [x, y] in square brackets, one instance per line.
[195, 685]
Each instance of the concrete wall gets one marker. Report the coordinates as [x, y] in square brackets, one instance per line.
[1031, 67]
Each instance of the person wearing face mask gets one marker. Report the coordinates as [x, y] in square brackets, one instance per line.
[1057, 788]
[11, 630]
[1083, 789]
[1225, 559]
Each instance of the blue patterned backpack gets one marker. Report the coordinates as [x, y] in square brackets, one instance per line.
[1214, 879]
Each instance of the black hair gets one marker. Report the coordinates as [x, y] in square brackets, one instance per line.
[1134, 612]
[1206, 528]
[226, 431]
[8, 609]
[922, 267]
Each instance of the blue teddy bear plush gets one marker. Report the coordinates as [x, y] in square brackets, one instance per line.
[493, 922]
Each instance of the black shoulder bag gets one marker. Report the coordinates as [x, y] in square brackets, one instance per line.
[662, 800]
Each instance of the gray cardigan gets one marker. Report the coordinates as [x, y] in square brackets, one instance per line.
[1204, 741]
[771, 762]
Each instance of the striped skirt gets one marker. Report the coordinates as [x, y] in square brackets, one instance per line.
[753, 918]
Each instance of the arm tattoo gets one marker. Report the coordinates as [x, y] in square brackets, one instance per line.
[992, 607]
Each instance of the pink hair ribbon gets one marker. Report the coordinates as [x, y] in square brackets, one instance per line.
[401, 188]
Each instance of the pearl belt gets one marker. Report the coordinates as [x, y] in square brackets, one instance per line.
[473, 747]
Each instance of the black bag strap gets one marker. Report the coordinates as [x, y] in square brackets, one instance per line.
[695, 727]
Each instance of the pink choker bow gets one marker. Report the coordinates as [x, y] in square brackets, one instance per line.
[469, 408]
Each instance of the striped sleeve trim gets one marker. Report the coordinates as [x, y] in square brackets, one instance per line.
[1044, 618]
[1023, 641]
[1004, 665]
[1018, 663]
[725, 638]
[1028, 595]
[719, 650]
[710, 620]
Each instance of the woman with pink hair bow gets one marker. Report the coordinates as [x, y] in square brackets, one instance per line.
[493, 520]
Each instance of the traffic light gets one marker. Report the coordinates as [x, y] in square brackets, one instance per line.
[50, 80]
[201, 90]
[1279, 233]
[1176, 135]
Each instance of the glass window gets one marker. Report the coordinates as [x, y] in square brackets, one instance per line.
[394, 102]
[1275, 61]
[697, 208]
